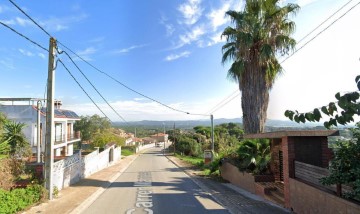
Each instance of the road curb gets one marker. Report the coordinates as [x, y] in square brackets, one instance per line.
[200, 184]
[87, 202]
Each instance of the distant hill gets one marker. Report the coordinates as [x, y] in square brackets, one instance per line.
[189, 124]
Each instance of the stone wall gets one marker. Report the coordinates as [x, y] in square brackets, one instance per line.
[308, 199]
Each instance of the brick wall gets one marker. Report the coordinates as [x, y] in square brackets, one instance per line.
[275, 147]
[288, 148]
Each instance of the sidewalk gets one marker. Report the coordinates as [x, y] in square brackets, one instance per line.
[70, 199]
[231, 197]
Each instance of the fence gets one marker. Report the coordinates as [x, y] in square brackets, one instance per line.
[70, 170]
[312, 174]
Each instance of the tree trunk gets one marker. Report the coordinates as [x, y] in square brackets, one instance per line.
[254, 98]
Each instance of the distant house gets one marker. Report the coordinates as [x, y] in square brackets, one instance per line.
[132, 141]
[24, 110]
[160, 137]
[148, 140]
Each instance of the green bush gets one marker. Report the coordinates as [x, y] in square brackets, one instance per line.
[18, 199]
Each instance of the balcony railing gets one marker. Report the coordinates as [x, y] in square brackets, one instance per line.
[70, 137]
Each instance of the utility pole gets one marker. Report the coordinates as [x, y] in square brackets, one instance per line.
[212, 132]
[38, 137]
[174, 140]
[50, 126]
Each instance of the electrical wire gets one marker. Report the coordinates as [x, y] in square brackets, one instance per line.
[235, 96]
[30, 18]
[93, 86]
[324, 21]
[297, 50]
[25, 37]
[141, 94]
[83, 89]
[234, 92]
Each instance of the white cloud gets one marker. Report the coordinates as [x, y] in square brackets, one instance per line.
[23, 22]
[217, 16]
[8, 22]
[215, 39]
[191, 36]
[191, 11]
[25, 52]
[172, 57]
[87, 51]
[41, 55]
[170, 29]
[59, 24]
[85, 54]
[126, 50]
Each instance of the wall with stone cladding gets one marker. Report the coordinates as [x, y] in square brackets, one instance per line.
[275, 147]
[308, 199]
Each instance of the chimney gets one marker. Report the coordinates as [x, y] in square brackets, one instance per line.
[57, 104]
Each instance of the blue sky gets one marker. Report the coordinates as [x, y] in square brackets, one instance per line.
[170, 51]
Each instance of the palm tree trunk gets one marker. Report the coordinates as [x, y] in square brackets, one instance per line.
[254, 98]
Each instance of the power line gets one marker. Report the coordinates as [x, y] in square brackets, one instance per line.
[94, 87]
[324, 21]
[94, 66]
[59, 60]
[30, 18]
[297, 50]
[127, 87]
[235, 96]
[25, 37]
[211, 110]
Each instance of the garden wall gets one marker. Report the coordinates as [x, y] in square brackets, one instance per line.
[307, 199]
[147, 146]
[243, 180]
[70, 170]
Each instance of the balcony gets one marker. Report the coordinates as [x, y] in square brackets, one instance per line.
[59, 139]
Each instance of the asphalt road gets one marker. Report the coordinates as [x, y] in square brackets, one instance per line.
[153, 184]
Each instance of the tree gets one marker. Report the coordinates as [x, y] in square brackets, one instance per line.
[346, 108]
[90, 125]
[15, 137]
[262, 31]
[345, 166]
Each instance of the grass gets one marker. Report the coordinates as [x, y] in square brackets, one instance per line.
[196, 161]
[125, 152]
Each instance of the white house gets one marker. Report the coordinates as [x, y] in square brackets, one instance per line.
[25, 110]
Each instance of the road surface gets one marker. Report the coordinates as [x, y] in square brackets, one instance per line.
[153, 184]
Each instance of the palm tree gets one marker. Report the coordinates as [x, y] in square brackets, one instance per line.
[261, 33]
[16, 139]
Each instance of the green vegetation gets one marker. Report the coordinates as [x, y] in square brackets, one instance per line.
[19, 199]
[196, 161]
[254, 156]
[348, 105]
[345, 166]
[128, 150]
[97, 130]
[261, 32]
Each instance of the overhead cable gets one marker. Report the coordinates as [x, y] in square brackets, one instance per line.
[25, 37]
[94, 86]
[297, 50]
[83, 89]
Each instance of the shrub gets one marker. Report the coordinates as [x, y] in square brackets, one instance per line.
[254, 156]
[18, 199]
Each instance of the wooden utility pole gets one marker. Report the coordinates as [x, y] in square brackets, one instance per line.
[38, 137]
[212, 132]
[50, 126]
[174, 140]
